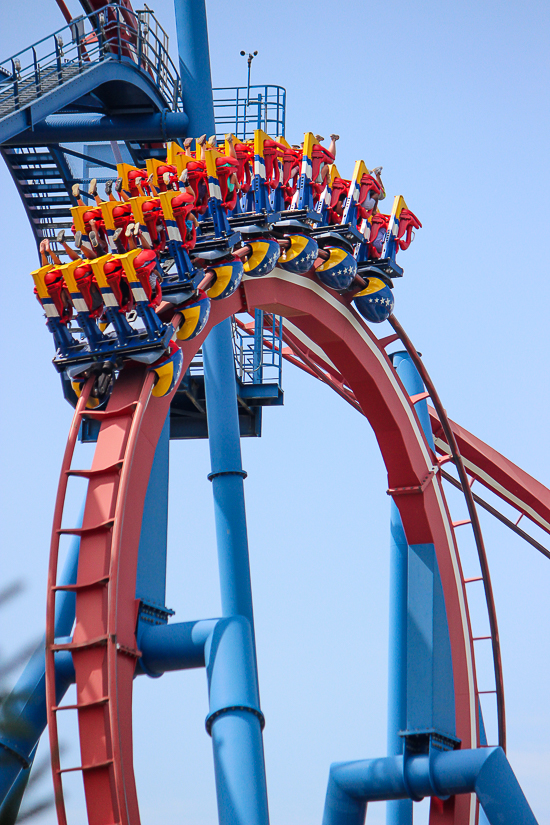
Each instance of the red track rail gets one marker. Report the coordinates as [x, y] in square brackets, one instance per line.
[104, 645]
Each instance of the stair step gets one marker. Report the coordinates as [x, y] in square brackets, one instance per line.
[43, 228]
[50, 213]
[26, 159]
[44, 187]
[49, 201]
[37, 174]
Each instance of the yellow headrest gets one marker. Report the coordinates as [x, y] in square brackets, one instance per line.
[38, 278]
[97, 268]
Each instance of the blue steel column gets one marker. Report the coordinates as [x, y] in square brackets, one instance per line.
[236, 732]
[400, 812]
[194, 54]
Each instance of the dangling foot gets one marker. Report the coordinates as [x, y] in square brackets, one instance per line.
[93, 239]
[334, 137]
[78, 239]
[377, 170]
[60, 237]
[184, 177]
[44, 246]
[229, 137]
[166, 178]
[187, 142]
[118, 185]
[201, 140]
[76, 190]
[129, 229]
[117, 233]
[137, 229]
[108, 187]
[92, 188]
[319, 139]
[212, 141]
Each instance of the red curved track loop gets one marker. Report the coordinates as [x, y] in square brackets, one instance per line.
[104, 645]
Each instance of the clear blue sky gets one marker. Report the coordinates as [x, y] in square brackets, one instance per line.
[452, 100]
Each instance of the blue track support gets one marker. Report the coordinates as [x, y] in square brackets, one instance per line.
[178, 646]
[235, 729]
[421, 689]
[401, 811]
[194, 55]
[485, 772]
[23, 713]
[151, 567]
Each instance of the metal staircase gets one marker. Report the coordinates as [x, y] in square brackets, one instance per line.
[43, 180]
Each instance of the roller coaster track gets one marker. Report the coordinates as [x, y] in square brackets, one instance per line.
[104, 644]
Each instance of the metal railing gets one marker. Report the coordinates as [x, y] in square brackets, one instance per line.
[258, 351]
[111, 33]
[241, 110]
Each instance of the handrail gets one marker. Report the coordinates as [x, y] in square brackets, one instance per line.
[106, 34]
[236, 109]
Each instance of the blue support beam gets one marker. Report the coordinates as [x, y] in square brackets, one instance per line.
[70, 128]
[235, 729]
[399, 812]
[421, 688]
[485, 772]
[178, 646]
[194, 55]
[151, 567]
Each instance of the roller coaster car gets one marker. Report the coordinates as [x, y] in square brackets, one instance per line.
[225, 168]
[375, 303]
[225, 268]
[89, 289]
[195, 313]
[53, 296]
[299, 250]
[83, 217]
[407, 223]
[245, 161]
[104, 373]
[198, 180]
[263, 251]
[60, 295]
[158, 169]
[118, 283]
[153, 218]
[338, 271]
[338, 195]
[135, 177]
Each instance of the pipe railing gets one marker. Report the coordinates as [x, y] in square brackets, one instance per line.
[241, 110]
[111, 33]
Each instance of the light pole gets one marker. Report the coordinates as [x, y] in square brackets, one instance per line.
[250, 59]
